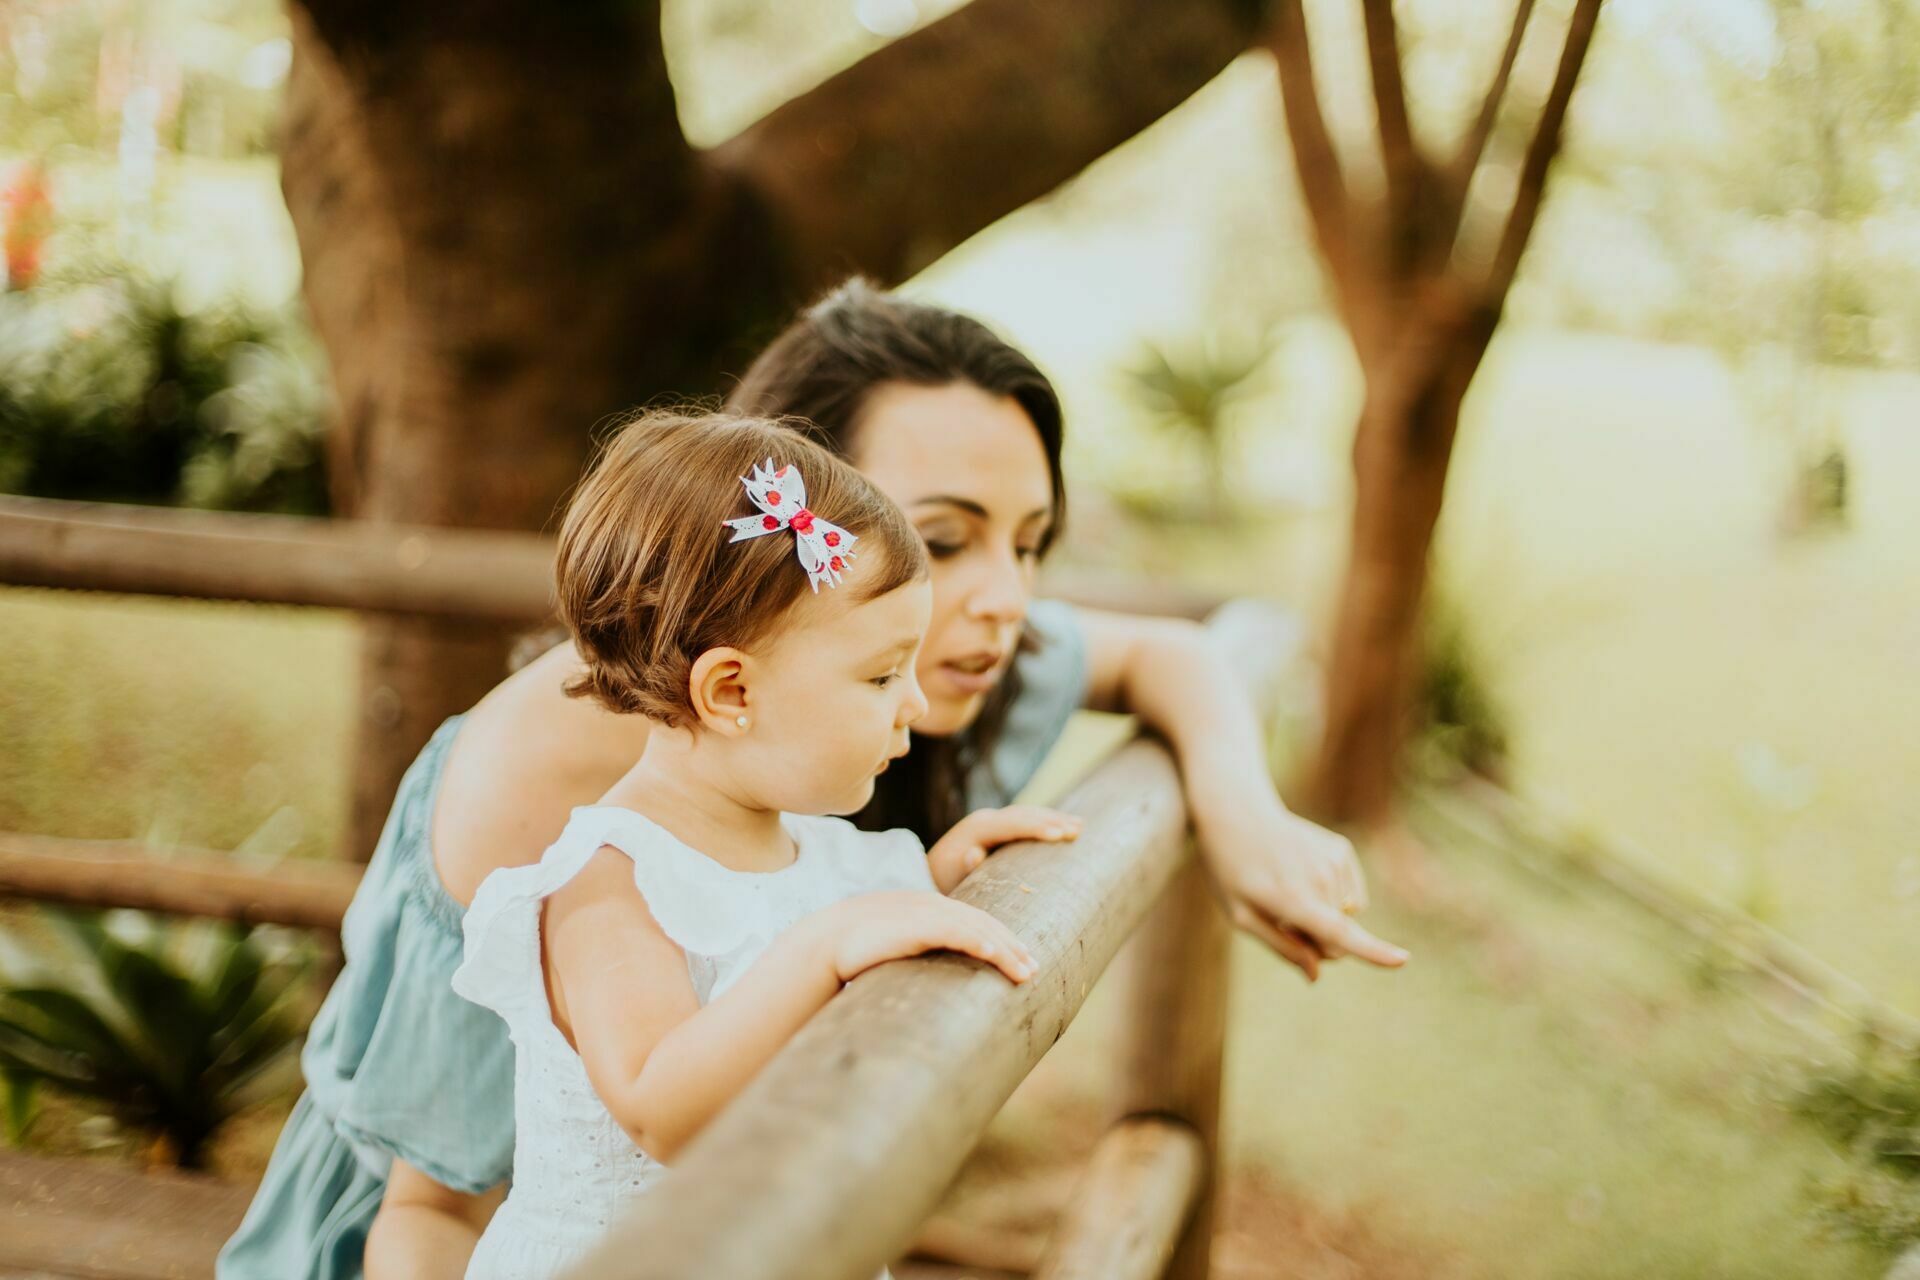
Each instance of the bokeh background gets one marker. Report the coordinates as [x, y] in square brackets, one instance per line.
[1653, 838]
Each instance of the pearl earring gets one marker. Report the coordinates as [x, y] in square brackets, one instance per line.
[741, 721]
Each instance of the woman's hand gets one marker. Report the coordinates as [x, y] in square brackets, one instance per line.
[858, 933]
[967, 845]
[1292, 884]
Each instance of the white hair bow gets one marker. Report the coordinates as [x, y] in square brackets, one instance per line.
[781, 495]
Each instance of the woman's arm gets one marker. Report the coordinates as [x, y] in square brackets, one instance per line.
[425, 1231]
[664, 1065]
[1287, 881]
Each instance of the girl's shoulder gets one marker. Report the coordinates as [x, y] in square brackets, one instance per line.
[866, 860]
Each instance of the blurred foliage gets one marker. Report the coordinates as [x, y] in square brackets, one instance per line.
[69, 70]
[171, 1029]
[1785, 217]
[109, 390]
[1461, 724]
[1191, 392]
[1870, 1107]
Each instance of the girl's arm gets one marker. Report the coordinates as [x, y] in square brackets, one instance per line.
[663, 1065]
[1286, 880]
[425, 1231]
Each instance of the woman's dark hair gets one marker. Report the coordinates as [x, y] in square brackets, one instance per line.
[823, 368]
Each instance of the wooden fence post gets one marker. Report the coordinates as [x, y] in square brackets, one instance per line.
[1175, 969]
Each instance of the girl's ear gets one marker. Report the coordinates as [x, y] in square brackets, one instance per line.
[717, 691]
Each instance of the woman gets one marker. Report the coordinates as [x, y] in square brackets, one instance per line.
[399, 1146]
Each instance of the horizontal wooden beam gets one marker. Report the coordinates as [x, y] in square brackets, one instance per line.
[828, 1161]
[348, 564]
[308, 893]
[341, 564]
[1125, 1219]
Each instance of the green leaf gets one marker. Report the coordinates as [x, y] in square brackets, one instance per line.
[66, 1022]
[22, 1103]
[236, 978]
[159, 1004]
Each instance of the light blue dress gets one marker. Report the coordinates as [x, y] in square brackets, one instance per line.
[398, 1065]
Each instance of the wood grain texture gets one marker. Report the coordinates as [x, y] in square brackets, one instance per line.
[1126, 1218]
[342, 564]
[311, 894]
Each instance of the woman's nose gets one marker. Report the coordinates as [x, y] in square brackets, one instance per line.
[1002, 592]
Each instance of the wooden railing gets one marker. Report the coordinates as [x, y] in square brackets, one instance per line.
[836, 1153]
[346, 564]
[310, 893]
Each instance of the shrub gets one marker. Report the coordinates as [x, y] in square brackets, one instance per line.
[110, 391]
[171, 1030]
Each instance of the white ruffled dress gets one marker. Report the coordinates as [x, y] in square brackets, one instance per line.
[574, 1168]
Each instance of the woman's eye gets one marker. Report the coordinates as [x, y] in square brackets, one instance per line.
[944, 550]
[1028, 553]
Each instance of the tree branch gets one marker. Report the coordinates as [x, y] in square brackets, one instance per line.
[1474, 145]
[1323, 187]
[1401, 160]
[895, 160]
[1540, 152]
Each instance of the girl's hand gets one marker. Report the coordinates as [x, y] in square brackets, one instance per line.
[1294, 885]
[872, 928]
[967, 845]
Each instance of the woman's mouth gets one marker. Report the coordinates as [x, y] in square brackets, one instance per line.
[973, 673]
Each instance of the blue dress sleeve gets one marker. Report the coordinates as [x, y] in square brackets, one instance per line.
[1053, 685]
[400, 1064]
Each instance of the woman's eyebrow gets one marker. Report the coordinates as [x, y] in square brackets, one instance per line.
[974, 508]
[965, 504]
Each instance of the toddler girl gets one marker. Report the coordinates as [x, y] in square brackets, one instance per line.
[761, 604]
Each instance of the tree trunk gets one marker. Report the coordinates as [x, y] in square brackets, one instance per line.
[478, 325]
[1420, 314]
[1402, 445]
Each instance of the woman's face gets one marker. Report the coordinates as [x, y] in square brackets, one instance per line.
[970, 471]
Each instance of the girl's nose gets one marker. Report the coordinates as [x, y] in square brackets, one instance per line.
[914, 704]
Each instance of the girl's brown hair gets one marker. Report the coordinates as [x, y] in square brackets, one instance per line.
[647, 578]
[823, 368]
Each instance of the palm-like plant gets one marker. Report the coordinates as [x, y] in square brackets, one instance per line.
[171, 1030]
[1193, 392]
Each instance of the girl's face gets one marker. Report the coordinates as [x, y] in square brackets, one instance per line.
[830, 698]
[970, 471]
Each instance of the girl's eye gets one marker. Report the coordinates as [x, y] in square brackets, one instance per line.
[885, 681]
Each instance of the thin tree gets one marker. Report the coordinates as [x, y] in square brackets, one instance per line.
[1420, 301]
[506, 237]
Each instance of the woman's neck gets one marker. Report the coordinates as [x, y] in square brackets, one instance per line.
[664, 787]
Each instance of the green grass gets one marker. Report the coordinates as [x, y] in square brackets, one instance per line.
[1547, 1092]
[1559, 1085]
[1739, 707]
[186, 724]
